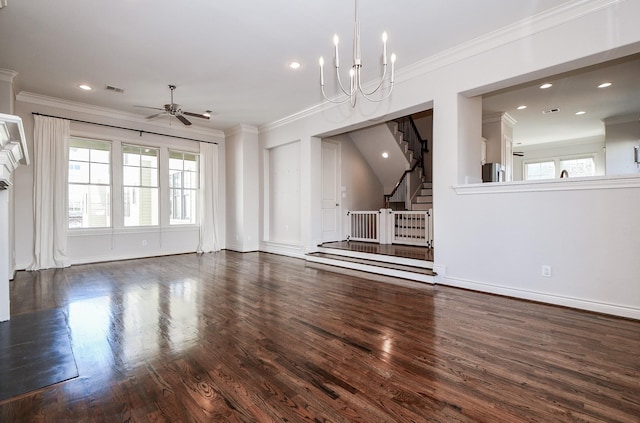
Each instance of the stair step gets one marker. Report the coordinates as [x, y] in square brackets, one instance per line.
[414, 273]
[427, 185]
[426, 191]
[424, 199]
[421, 206]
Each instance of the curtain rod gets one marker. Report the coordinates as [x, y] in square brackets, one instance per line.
[140, 131]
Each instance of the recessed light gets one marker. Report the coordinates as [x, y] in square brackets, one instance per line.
[85, 87]
[545, 86]
[207, 113]
[295, 65]
[385, 155]
[581, 112]
[604, 85]
[521, 107]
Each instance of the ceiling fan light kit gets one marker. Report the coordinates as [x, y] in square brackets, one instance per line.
[175, 110]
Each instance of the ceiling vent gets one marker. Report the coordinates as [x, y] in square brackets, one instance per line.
[554, 110]
[114, 89]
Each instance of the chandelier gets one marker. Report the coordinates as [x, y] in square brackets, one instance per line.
[355, 77]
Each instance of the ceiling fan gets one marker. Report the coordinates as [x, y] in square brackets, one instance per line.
[174, 109]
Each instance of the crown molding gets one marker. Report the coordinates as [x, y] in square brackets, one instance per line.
[103, 112]
[527, 27]
[7, 75]
[241, 129]
[617, 120]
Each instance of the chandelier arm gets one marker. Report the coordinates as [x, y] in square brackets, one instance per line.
[366, 94]
[378, 100]
[331, 100]
[347, 93]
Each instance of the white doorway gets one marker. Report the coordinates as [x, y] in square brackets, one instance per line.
[331, 199]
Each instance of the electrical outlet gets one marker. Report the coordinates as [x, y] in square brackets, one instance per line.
[144, 242]
[546, 271]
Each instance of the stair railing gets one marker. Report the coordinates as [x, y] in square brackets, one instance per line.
[418, 146]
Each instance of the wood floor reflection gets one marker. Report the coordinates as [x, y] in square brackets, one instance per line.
[261, 338]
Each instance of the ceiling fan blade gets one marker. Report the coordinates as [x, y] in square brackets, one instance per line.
[147, 107]
[198, 115]
[183, 119]
[155, 116]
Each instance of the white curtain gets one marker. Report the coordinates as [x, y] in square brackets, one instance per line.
[50, 191]
[208, 198]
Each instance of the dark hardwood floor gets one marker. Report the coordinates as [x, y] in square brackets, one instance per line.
[259, 337]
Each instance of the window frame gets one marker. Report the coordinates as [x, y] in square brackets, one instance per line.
[194, 191]
[109, 163]
[125, 185]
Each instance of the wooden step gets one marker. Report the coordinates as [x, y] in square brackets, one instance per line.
[384, 258]
[413, 273]
[421, 206]
[424, 199]
[426, 191]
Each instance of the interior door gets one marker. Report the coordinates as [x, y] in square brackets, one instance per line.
[331, 204]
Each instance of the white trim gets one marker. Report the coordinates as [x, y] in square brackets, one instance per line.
[579, 303]
[103, 112]
[425, 264]
[284, 249]
[7, 75]
[119, 257]
[570, 184]
[241, 129]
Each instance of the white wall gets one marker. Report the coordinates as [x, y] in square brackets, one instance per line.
[361, 188]
[621, 138]
[491, 239]
[118, 242]
[243, 193]
[284, 194]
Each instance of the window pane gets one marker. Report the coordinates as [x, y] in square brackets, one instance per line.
[76, 153]
[149, 177]
[175, 179]
[579, 167]
[100, 173]
[131, 159]
[78, 172]
[544, 170]
[100, 156]
[149, 157]
[175, 164]
[141, 206]
[191, 162]
[131, 176]
[89, 206]
[190, 180]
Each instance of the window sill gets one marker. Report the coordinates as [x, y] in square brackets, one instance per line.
[569, 184]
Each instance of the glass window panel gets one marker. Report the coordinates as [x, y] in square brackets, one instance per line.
[191, 162]
[149, 177]
[100, 156]
[131, 176]
[131, 159]
[543, 170]
[579, 167]
[141, 206]
[89, 206]
[131, 149]
[77, 153]
[175, 164]
[100, 173]
[78, 172]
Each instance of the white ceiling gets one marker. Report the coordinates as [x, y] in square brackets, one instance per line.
[229, 56]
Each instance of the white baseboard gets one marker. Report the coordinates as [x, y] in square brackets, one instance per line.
[291, 250]
[596, 306]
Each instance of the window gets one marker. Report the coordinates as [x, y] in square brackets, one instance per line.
[140, 185]
[540, 170]
[89, 183]
[551, 168]
[183, 187]
[585, 166]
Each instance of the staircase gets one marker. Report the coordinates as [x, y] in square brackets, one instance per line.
[424, 199]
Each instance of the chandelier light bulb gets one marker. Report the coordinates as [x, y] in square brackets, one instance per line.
[383, 86]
